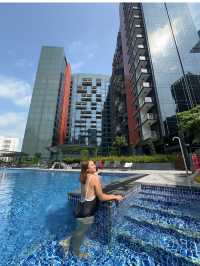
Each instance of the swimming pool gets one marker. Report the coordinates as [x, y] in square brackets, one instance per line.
[157, 225]
[34, 210]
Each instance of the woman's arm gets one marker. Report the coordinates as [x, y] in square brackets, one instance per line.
[103, 196]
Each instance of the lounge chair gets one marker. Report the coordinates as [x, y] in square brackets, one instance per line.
[117, 164]
[100, 164]
[106, 164]
[128, 166]
[111, 165]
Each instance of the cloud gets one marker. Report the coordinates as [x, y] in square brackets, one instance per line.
[195, 12]
[173, 68]
[12, 124]
[23, 63]
[160, 40]
[77, 66]
[90, 55]
[19, 62]
[78, 48]
[15, 90]
[74, 47]
[84, 52]
[11, 52]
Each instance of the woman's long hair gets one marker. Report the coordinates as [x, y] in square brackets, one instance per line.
[84, 168]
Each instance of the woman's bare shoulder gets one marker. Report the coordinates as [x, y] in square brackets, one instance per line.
[95, 178]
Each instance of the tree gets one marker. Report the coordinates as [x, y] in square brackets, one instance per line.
[190, 124]
[119, 142]
[84, 154]
[151, 146]
[37, 157]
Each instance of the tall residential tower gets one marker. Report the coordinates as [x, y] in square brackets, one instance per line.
[157, 39]
[89, 92]
[47, 122]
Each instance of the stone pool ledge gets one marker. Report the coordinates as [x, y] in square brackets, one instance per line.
[168, 178]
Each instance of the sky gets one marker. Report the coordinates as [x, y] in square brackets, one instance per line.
[88, 33]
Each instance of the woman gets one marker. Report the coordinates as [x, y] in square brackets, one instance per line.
[91, 192]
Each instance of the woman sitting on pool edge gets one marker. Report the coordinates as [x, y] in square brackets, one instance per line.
[91, 193]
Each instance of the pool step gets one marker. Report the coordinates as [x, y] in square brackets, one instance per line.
[166, 238]
[169, 198]
[188, 225]
[175, 207]
[181, 191]
[160, 255]
[174, 195]
[168, 203]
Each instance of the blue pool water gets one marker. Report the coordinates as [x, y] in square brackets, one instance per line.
[157, 227]
[34, 209]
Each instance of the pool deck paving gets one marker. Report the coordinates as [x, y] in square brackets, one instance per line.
[156, 177]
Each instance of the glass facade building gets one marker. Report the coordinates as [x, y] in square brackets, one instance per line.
[89, 92]
[114, 121]
[47, 119]
[157, 42]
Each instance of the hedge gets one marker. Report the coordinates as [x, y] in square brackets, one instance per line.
[158, 158]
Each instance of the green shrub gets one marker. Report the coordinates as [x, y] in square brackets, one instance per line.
[70, 160]
[158, 158]
[113, 151]
[84, 155]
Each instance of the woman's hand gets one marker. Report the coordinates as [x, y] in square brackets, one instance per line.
[119, 197]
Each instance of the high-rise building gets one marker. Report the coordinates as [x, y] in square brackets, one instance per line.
[196, 48]
[47, 123]
[157, 39]
[185, 101]
[89, 92]
[114, 121]
[107, 137]
[7, 145]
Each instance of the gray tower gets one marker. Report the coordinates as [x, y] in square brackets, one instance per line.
[42, 126]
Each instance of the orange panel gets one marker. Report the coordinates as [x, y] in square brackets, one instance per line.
[63, 129]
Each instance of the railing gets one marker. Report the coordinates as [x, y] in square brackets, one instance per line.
[142, 72]
[154, 134]
[150, 116]
[147, 100]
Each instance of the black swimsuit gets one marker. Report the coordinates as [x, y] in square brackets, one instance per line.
[86, 208]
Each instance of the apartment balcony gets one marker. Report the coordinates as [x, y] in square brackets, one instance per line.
[144, 89]
[86, 99]
[137, 29]
[81, 91]
[149, 119]
[116, 102]
[80, 107]
[146, 104]
[141, 62]
[120, 107]
[143, 75]
[153, 135]
[135, 35]
[135, 21]
[137, 39]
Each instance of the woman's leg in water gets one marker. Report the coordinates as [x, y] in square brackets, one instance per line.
[82, 225]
